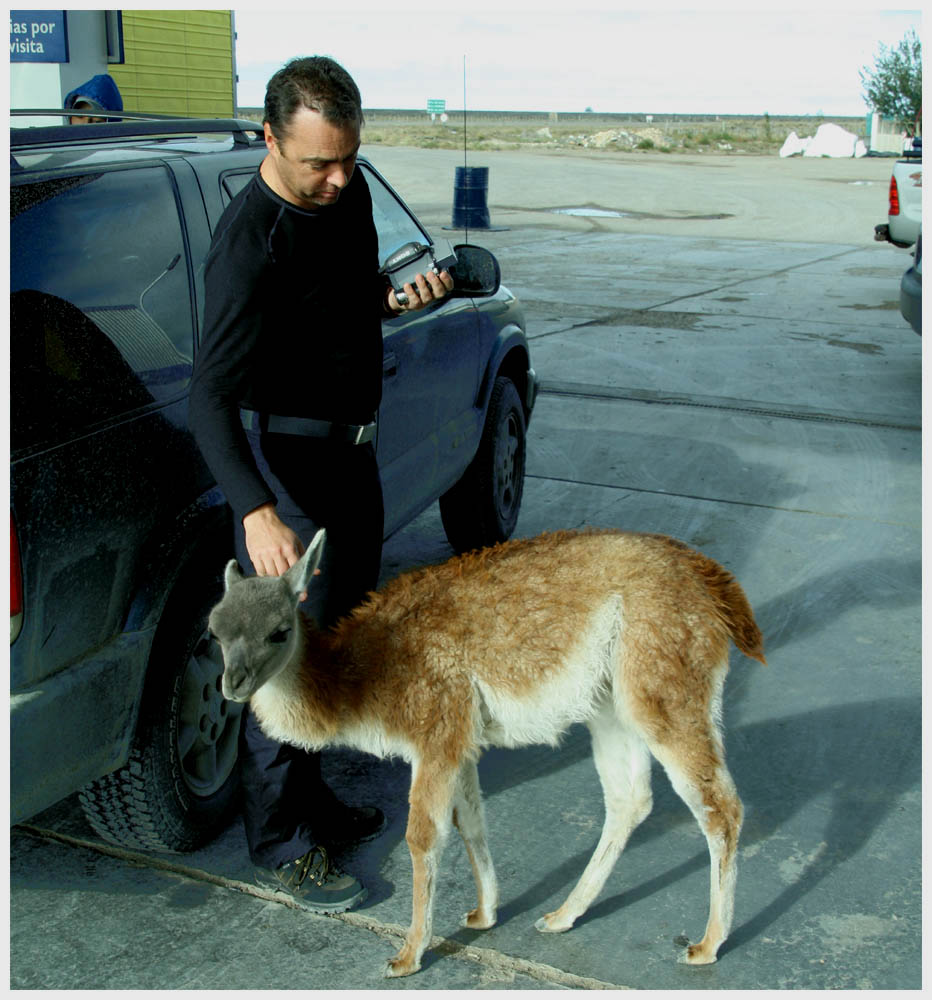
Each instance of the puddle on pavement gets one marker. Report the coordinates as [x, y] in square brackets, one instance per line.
[590, 211]
[598, 212]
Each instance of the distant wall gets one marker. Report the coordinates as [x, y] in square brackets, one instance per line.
[178, 62]
[884, 135]
[595, 118]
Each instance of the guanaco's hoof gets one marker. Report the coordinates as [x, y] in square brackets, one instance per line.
[395, 968]
[475, 921]
[697, 954]
[545, 927]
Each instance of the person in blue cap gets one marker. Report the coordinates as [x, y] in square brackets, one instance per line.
[100, 93]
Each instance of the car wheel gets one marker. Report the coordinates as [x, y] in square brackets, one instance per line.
[179, 788]
[482, 508]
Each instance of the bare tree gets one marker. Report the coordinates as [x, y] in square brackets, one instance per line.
[893, 86]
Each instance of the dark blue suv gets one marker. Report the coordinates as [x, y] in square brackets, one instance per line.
[118, 532]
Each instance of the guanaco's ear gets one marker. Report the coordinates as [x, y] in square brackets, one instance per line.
[299, 576]
[232, 574]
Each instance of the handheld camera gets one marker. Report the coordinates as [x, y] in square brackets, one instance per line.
[413, 259]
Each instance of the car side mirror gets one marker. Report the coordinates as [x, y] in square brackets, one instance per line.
[476, 271]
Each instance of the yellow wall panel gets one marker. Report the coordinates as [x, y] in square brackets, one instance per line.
[177, 62]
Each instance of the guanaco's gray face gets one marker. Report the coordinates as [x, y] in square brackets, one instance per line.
[256, 622]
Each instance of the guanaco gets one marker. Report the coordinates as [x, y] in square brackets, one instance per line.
[627, 633]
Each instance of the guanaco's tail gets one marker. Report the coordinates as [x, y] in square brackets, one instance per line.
[736, 612]
[732, 604]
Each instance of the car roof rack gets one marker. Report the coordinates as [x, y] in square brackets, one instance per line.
[128, 125]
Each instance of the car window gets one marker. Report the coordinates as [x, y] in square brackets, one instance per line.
[394, 224]
[392, 221]
[232, 184]
[100, 301]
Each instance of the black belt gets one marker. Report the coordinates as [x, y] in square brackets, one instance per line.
[307, 427]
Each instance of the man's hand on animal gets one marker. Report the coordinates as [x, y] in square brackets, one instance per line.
[430, 288]
[272, 546]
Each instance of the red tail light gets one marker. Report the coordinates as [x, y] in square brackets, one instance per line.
[16, 584]
[894, 198]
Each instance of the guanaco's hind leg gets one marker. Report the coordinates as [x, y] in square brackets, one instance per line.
[429, 816]
[695, 764]
[469, 819]
[623, 763]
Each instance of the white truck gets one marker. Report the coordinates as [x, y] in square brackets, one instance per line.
[904, 215]
[903, 228]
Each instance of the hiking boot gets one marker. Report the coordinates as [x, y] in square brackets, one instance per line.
[351, 826]
[314, 882]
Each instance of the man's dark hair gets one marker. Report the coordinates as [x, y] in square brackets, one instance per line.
[314, 82]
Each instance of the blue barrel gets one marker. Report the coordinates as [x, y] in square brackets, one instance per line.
[470, 198]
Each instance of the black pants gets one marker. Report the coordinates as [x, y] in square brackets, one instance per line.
[318, 485]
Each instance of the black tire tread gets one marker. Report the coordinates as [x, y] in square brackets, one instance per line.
[468, 510]
[144, 804]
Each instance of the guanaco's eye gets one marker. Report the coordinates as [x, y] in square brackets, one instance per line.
[280, 636]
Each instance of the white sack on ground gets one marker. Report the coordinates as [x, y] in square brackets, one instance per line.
[794, 146]
[829, 140]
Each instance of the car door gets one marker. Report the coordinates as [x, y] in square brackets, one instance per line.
[430, 373]
[101, 346]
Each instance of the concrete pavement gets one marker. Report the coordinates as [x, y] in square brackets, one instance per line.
[652, 194]
[758, 398]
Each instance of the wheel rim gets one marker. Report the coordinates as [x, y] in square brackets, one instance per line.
[208, 730]
[507, 464]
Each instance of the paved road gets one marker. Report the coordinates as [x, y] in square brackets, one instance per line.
[756, 393]
[702, 195]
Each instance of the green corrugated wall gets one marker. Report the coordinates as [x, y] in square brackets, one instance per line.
[178, 62]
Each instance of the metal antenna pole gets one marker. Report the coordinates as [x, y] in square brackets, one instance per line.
[465, 168]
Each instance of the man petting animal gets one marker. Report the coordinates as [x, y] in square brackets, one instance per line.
[283, 401]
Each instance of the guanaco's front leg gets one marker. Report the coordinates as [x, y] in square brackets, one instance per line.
[429, 818]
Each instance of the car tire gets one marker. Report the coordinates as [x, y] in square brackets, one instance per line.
[482, 508]
[180, 786]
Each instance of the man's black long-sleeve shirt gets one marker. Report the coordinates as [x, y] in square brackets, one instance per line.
[292, 325]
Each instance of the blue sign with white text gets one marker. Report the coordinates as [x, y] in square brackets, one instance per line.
[38, 36]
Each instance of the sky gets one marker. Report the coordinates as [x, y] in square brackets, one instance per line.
[522, 58]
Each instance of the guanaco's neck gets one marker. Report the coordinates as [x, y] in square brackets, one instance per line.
[310, 699]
